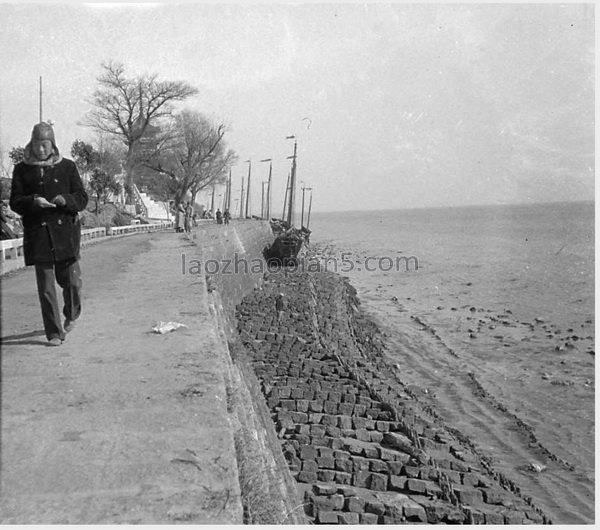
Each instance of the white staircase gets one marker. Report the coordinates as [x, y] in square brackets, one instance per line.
[154, 209]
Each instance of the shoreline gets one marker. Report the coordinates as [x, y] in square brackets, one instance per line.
[314, 366]
[476, 399]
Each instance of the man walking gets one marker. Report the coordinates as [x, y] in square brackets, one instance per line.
[48, 194]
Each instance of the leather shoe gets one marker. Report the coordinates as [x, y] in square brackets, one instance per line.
[55, 341]
[69, 325]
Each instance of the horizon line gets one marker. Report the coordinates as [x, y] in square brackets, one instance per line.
[438, 207]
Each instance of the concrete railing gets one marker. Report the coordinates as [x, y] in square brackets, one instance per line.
[132, 229]
[93, 233]
[11, 248]
[11, 255]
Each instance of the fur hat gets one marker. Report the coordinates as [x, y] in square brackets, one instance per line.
[42, 131]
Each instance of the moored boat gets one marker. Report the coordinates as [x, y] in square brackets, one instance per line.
[288, 240]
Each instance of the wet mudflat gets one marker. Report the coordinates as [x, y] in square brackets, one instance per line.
[496, 324]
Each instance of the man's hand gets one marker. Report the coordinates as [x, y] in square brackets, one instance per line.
[43, 203]
[59, 200]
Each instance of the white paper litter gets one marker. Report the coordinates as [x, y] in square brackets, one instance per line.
[165, 327]
[538, 468]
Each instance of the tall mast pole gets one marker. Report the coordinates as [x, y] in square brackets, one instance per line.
[285, 201]
[269, 191]
[242, 201]
[302, 215]
[309, 207]
[212, 202]
[248, 187]
[40, 98]
[262, 201]
[290, 218]
[229, 191]
[267, 200]
[305, 189]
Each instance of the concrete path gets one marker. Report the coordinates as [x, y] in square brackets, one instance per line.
[119, 424]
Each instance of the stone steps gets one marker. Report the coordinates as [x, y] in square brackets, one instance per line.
[155, 209]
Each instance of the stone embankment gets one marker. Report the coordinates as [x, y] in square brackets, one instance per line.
[231, 259]
[359, 443]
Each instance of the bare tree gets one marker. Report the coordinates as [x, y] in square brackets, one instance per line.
[214, 172]
[192, 154]
[128, 107]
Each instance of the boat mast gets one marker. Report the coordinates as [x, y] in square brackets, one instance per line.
[290, 213]
[309, 207]
[304, 189]
[268, 194]
[269, 191]
[287, 187]
[302, 214]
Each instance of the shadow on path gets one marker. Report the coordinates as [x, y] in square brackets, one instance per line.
[15, 340]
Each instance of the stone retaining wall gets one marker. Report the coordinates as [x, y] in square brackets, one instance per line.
[360, 445]
[240, 242]
[269, 494]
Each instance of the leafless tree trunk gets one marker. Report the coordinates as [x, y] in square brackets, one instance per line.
[193, 155]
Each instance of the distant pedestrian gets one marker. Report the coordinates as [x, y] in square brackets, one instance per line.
[226, 217]
[48, 193]
[219, 217]
[179, 218]
[195, 219]
[188, 216]
[279, 306]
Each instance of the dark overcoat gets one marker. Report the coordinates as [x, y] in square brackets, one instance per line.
[49, 234]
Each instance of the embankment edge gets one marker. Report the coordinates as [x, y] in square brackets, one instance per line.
[268, 491]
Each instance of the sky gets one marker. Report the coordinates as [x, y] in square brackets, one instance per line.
[393, 105]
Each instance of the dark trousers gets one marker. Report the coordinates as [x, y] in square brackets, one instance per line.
[68, 277]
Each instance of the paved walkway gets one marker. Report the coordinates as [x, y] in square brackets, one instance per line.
[119, 424]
